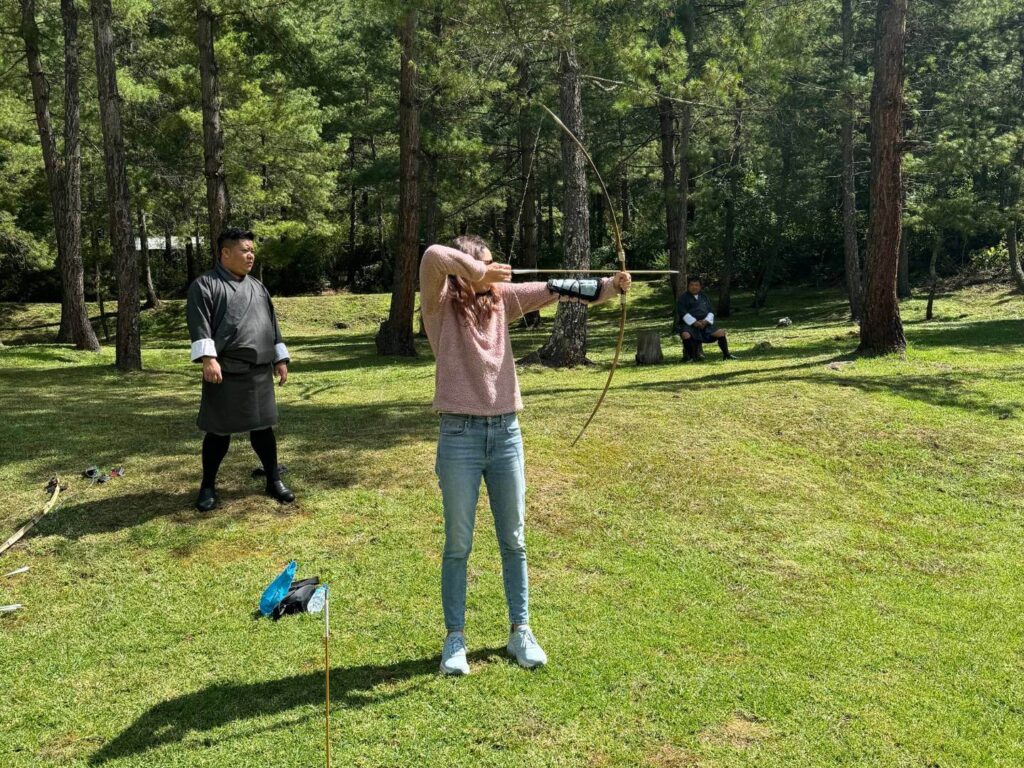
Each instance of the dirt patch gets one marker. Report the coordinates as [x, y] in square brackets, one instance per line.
[67, 746]
[741, 731]
[669, 756]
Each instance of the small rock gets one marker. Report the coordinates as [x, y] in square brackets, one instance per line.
[1004, 416]
[340, 325]
[839, 364]
[762, 345]
[784, 322]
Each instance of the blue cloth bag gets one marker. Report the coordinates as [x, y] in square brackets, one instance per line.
[277, 589]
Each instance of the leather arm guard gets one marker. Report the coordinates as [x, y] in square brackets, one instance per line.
[585, 290]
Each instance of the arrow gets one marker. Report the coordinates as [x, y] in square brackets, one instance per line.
[593, 271]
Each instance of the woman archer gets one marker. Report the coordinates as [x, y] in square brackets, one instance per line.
[468, 302]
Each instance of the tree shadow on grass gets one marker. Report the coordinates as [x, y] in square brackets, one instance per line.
[1011, 295]
[947, 390]
[221, 704]
[720, 376]
[331, 353]
[990, 334]
[942, 390]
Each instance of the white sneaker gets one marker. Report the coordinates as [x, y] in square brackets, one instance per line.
[453, 655]
[525, 648]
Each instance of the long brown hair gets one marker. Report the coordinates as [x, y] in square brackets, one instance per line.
[474, 308]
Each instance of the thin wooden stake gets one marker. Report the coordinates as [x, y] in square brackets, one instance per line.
[327, 671]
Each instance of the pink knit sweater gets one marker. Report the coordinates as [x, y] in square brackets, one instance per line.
[476, 373]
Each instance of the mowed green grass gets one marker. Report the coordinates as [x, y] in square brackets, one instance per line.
[795, 559]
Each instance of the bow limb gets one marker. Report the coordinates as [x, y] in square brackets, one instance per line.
[620, 253]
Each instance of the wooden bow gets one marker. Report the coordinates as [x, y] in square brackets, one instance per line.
[621, 255]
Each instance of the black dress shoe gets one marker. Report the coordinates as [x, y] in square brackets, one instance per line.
[206, 500]
[278, 490]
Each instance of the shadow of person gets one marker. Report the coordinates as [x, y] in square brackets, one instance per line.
[217, 705]
[112, 513]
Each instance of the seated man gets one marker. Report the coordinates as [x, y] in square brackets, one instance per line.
[696, 323]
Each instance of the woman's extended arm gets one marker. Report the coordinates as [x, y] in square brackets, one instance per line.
[521, 298]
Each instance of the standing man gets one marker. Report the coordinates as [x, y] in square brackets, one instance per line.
[236, 338]
[696, 323]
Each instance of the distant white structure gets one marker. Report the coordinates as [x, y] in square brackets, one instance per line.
[157, 243]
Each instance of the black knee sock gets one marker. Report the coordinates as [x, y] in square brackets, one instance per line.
[215, 448]
[688, 351]
[724, 346]
[265, 444]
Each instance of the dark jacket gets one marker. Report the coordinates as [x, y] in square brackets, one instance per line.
[230, 318]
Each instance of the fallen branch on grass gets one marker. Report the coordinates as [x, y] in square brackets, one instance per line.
[54, 487]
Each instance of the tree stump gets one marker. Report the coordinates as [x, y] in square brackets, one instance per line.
[648, 348]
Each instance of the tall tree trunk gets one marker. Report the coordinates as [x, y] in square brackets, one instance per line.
[80, 331]
[64, 333]
[933, 275]
[1011, 246]
[168, 245]
[190, 262]
[670, 191]
[508, 224]
[63, 173]
[881, 329]
[527, 180]
[218, 203]
[724, 308]
[147, 274]
[685, 131]
[94, 247]
[353, 214]
[129, 346]
[551, 214]
[567, 344]
[395, 336]
[851, 251]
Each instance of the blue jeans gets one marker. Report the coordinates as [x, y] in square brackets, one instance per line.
[471, 448]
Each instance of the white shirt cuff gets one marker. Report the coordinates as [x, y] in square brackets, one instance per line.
[281, 353]
[710, 318]
[203, 348]
[689, 319]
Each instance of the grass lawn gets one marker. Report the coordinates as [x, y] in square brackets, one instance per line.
[794, 559]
